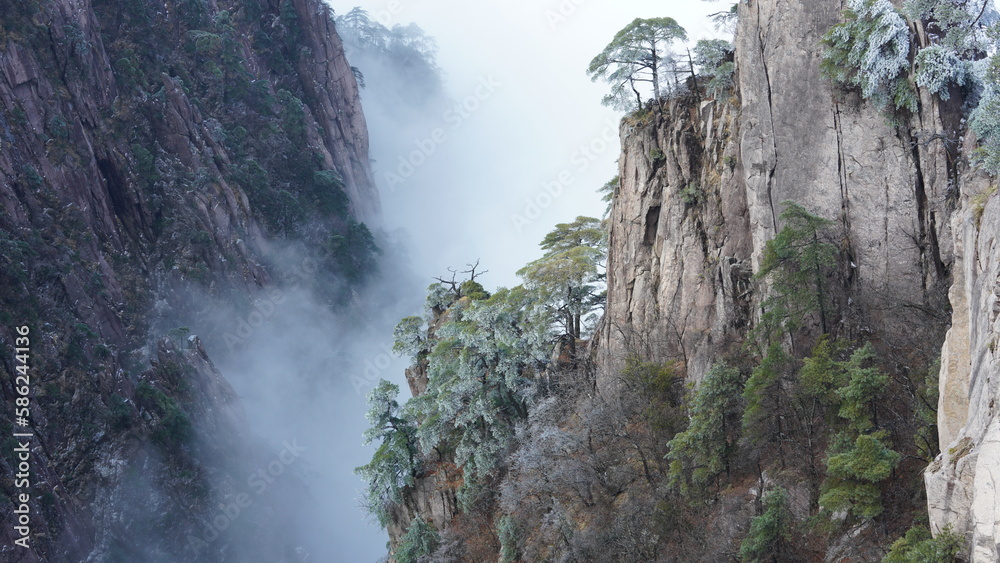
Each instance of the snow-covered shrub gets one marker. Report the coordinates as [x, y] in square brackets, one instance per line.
[985, 122]
[710, 56]
[961, 25]
[869, 51]
[938, 67]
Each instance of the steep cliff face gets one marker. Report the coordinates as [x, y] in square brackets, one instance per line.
[888, 186]
[962, 482]
[914, 220]
[147, 150]
[701, 195]
[703, 184]
[679, 245]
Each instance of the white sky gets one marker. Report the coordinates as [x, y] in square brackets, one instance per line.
[458, 205]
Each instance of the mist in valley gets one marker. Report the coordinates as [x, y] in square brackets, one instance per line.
[474, 163]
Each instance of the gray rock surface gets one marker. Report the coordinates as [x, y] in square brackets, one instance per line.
[962, 483]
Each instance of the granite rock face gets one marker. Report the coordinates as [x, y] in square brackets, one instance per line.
[687, 231]
[679, 246]
[962, 482]
[698, 203]
[146, 148]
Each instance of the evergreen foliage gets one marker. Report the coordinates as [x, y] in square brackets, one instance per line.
[822, 376]
[764, 394]
[410, 75]
[854, 471]
[713, 57]
[770, 532]
[395, 463]
[958, 26]
[939, 67]
[864, 388]
[477, 378]
[704, 450]
[798, 261]
[354, 253]
[636, 55]
[870, 51]
[508, 533]
[918, 546]
[565, 278]
[421, 539]
[859, 457]
[985, 122]
[409, 338]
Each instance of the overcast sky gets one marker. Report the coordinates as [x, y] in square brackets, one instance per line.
[532, 118]
[535, 117]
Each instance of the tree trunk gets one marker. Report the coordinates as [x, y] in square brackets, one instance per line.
[655, 65]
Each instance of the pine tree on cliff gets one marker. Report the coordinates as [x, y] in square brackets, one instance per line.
[637, 54]
[564, 278]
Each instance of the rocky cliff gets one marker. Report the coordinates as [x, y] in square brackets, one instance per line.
[148, 151]
[700, 197]
[703, 185]
[962, 482]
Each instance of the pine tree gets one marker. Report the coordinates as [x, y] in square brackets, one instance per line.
[565, 277]
[704, 450]
[767, 400]
[864, 388]
[870, 51]
[798, 261]
[478, 370]
[636, 55]
[770, 533]
[854, 471]
[420, 539]
[918, 546]
[395, 464]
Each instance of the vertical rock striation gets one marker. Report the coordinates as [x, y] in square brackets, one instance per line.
[962, 483]
[144, 148]
[701, 195]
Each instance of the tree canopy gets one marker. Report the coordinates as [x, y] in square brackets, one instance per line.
[564, 277]
[637, 54]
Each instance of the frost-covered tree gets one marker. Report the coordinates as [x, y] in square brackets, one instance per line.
[714, 60]
[420, 539]
[938, 68]
[566, 277]
[478, 379]
[959, 25]
[635, 56]
[870, 51]
[985, 122]
[396, 462]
